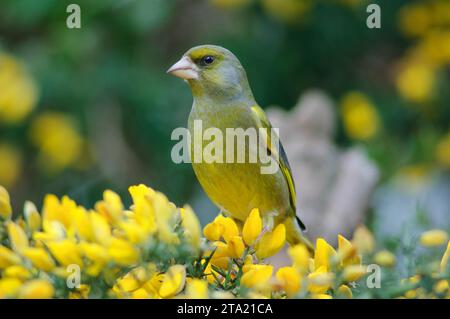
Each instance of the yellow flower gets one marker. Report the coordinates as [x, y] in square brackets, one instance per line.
[347, 252]
[8, 257]
[363, 240]
[443, 151]
[360, 116]
[32, 217]
[17, 271]
[80, 293]
[300, 257]
[416, 82]
[101, 228]
[323, 254]
[57, 151]
[18, 94]
[132, 281]
[9, 287]
[110, 207]
[256, 276]
[271, 242]
[320, 280]
[289, 279]
[39, 258]
[10, 164]
[213, 231]
[436, 47]
[345, 292]
[122, 252]
[97, 255]
[415, 19]
[230, 228]
[165, 218]
[197, 289]
[66, 252]
[17, 237]
[173, 282]
[252, 227]
[445, 257]
[384, 258]
[221, 256]
[37, 289]
[435, 237]
[5, 205]
[191, 226]
[236, 247]
[354, 272]
[288, 11]
[62, 211]
[441, 287]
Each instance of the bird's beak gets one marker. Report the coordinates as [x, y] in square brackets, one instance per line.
[184, 69]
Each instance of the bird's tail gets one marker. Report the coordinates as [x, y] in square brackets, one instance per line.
[294, 234]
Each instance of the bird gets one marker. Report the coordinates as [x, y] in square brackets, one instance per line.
[222, 98]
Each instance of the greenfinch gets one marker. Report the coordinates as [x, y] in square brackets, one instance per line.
[223, 99]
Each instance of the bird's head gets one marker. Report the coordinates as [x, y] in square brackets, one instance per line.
[212, 71]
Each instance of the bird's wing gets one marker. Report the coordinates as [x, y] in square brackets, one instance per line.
[281, 158]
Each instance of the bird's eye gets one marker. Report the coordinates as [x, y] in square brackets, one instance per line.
[206, 60]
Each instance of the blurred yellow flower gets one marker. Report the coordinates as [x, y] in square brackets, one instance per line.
[8, 257]
[385, 258]
[5, 205]
[39, 258]
[323, 254]
[32, 217]
[17, 237]
[347, 252]
[122, 252]
[18, 92]
[36, 289]
[271, 242]
[10, 164]
[58, 139]
[443, 151]
[256, 276]
[252, 227]
[17, 271]
[363, 240]
[288, 11]
[354, 272]
[435, 47]
[415, 81]
[66, 252]
[173, 282]
[320, 280]
[435, 237]
[191, 226]
[9, 287]
[415, 19]
[300, 257]
[289, 279]
[345, 292]
[360, 117]
[197, 289]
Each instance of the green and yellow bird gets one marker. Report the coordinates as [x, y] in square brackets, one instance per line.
[223, 99]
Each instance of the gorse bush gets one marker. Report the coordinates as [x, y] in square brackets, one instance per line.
[154, 249]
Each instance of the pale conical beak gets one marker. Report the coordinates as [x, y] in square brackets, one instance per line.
[184, 69]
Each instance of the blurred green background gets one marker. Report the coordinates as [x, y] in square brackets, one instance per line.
[86, 109]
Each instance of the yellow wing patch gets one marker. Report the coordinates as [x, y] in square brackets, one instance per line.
[281, 157]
